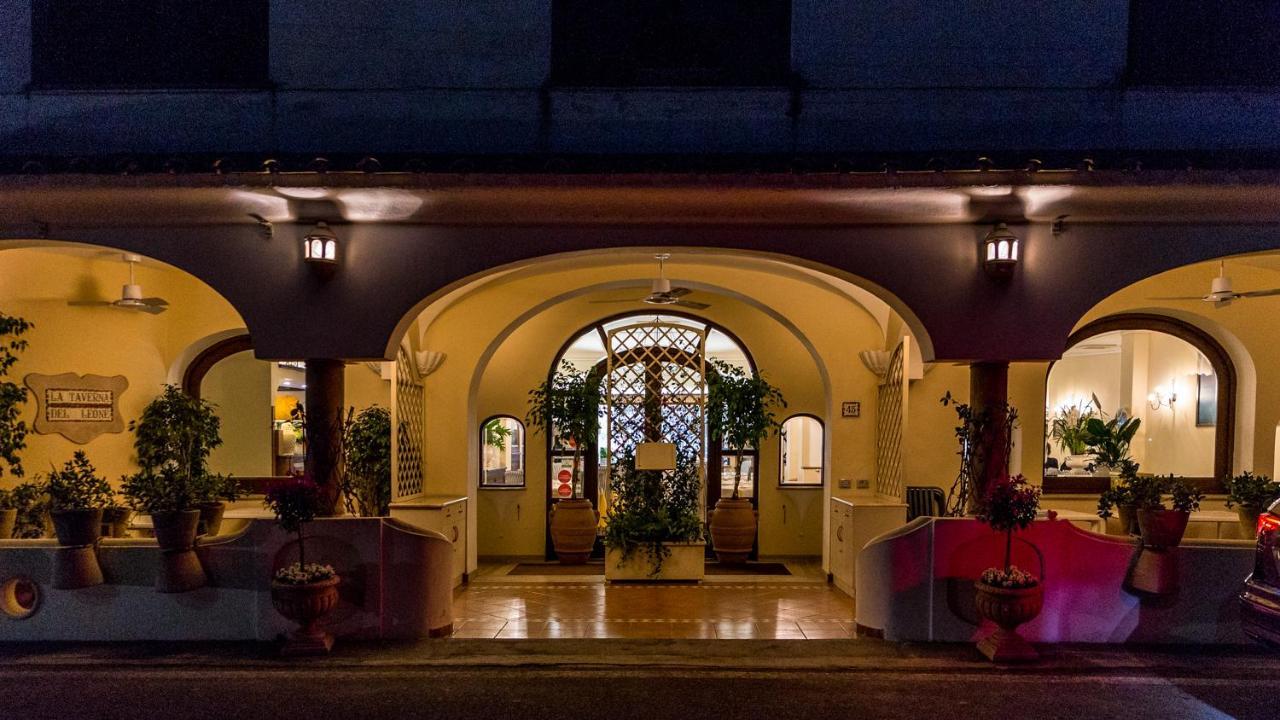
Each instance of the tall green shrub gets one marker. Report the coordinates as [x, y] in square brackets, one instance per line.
[366, 467]
[567, 407]
[13, 430]
[740, 409]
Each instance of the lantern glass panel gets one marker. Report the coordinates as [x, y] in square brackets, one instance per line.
[330, 250]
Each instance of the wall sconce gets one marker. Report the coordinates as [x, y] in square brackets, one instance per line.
[1000, 251]
[320, 248]
[1158, 399]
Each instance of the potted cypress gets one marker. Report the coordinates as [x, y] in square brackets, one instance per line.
[77, 495]
[740, 414]
[1007, 595]
[365, 475]
[654, 530]
[567, 408]
[13, 430]
[303, 592]
[1250, 494]
[173, 439]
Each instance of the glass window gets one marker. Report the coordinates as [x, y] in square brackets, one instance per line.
[802, 441]
[1160, 379]
[149, 43]
[671, 42]
[502, 453]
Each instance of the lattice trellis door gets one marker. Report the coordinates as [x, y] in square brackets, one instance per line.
[408, 418]
[656, 389]
[891, 422]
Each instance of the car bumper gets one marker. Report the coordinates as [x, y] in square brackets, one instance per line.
[1260, 612]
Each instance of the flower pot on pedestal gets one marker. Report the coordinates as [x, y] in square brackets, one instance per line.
[1008, 608]
[573, 530]
[75, 563]
[180, 568]
[1155, 570]
[733, 530]
[307, 605]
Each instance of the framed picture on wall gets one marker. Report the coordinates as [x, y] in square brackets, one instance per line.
[1206, 400]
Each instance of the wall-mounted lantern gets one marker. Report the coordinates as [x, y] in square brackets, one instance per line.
[320, 247]
[1159, 398]
[1000, 251]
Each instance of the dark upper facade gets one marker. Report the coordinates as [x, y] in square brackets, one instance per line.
[1168, 81]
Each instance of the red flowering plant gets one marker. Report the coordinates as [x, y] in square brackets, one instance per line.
[1011, 505]
[295, 501]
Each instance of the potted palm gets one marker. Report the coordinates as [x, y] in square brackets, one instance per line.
[654, 530]
[1109, 440]
[1007, 595]
[365, 473]
[1251, 494]
[740, 414]
[302, 592]
[567, 408]
[13, 430]
[77, 495]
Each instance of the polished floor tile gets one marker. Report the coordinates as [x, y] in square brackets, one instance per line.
[748, 607]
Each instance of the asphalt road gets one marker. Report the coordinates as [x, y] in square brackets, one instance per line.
[1077, 685]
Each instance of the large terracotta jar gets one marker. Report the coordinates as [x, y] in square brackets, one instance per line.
[76, 560]
[1162, 528]
[733, 530]
[180, 568]
[1008, 608]
[306, 605]
[573, 530]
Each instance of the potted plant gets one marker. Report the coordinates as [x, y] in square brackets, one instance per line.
[1007, 595]
[31, 502]
[1067, 428]
[654, 529]
[739, 411]
[1162, 524]
[1251, 494]
[302, 592]
[213, 491]
[77, 495]
[1109, 440]
[1120, 498]
[366, 462]
[567, 408]
[173, 439]
[115, 518]
[13, 430]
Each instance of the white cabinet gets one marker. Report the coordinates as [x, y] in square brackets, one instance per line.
[853, 524]
[445, 514]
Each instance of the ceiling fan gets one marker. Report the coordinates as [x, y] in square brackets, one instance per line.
[1221, 293]
[130, 295]
[661, 292]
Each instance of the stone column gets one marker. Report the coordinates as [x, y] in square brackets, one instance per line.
[325, 403]
[989, 399]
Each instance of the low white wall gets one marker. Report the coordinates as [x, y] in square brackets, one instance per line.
[916, 584]
[395, 583]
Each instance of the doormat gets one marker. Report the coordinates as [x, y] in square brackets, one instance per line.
[597, 568]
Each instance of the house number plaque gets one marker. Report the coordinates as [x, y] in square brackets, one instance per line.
[78, 407]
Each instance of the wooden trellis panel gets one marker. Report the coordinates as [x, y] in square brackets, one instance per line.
[408, 417]
[891, 422]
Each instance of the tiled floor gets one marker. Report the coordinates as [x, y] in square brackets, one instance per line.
[740, 607]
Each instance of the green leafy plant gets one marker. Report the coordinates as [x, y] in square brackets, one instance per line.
[77, 486]
[1067, 428]
[1109, 440]
[1011, 504]
[740, 410]
[13, 430]
[980, 438]
[1252, 491]
[173, 439]
[567, 407]
[1149, 492]
[1121, 493]
[366, 467]
[652, 508]
[295, 502]
[216, 487]
[496, 434]
[32, 503]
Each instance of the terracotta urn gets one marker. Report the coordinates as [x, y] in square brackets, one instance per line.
[8, 519]
[180, 568]
[306, 605]
[211, 518]
[1008, 608]
[76, 559]
[733, 530]
[1248, 515]
[573, 530]
[1162, 528]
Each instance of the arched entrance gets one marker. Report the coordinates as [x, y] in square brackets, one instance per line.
[654, 368]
